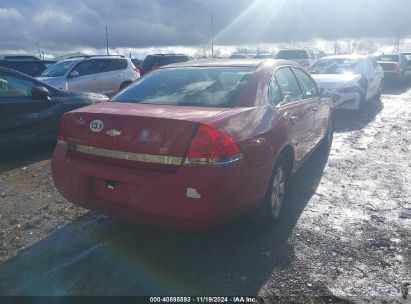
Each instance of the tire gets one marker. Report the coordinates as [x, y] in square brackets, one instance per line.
[269, 210]
[328, 139]
[363, 94]
[379, 93]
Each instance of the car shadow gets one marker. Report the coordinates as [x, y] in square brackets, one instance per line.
[392, 87]
[25, 156]
[346, 120]
[97, 255]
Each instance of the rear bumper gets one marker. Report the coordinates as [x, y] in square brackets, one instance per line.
[190, 198]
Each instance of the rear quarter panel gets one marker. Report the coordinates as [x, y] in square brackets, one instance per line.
[258, 129]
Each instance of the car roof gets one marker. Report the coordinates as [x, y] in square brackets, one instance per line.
[296, 50]
[78, 58]
[170, 54]
[389, 54]
[251, 62]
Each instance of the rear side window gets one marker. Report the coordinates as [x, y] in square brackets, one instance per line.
[108, 65]
[120, 64]
[14, 86]
[86, 68]
[289, 85]
[307, 84]
[207, 87]
[274, 93]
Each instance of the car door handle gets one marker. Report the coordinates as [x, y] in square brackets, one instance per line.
[120, 75]
[293, 118]
[314, 108]
[94, 78]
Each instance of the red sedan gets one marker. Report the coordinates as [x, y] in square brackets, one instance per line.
[194, 144]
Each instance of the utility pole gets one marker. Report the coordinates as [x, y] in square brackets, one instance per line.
[212, 35]
[397, 41]
[107, 41]
[335, 45]
[38, 48]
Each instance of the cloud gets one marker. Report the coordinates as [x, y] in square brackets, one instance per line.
[67, 25]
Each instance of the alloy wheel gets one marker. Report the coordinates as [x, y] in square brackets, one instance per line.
[278, 191]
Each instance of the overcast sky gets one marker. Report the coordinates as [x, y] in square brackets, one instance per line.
[65, 25]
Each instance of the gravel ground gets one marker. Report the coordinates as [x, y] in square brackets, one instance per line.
[345, 236]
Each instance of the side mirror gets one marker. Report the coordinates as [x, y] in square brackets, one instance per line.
[74, 74]
[40, 92]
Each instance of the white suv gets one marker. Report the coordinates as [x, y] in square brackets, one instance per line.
[98, 74]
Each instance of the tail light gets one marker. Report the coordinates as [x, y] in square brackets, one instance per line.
[61, 136]
[211, 146]
[137, 69]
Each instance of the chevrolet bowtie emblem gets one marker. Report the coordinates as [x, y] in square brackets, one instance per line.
[113, 132]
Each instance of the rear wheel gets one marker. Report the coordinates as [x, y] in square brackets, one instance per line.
[269, 210]
[379, 93]
[328, 139]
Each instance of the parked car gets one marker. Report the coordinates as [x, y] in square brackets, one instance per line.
[305, 57]
[97, 74]
[32, 68]
[352, 79]
[238, 56]
[136, 62]
[30, 109]
[18, 57]
[263, 56]
[394, 66]
[152, 62]
[194, 144]
[408, 65]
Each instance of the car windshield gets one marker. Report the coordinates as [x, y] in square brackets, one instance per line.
[197, 86]
[59, 68]
[336, 66]
[389, 58]
[292, 54]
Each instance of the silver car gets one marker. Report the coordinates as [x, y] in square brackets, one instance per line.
[97, 74]
[353, 80]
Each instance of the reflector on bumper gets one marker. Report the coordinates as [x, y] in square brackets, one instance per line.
[131, 156]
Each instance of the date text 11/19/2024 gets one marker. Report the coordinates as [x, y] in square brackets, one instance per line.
[233, 299]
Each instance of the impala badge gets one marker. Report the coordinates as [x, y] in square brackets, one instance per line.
[144, 135]
[113, 132]
[96, 126]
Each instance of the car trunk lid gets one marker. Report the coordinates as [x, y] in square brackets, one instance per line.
[138, 135]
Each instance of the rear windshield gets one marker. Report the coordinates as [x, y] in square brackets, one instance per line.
[292, 54]
[208, 87]
[388, 58]
[59, 68]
